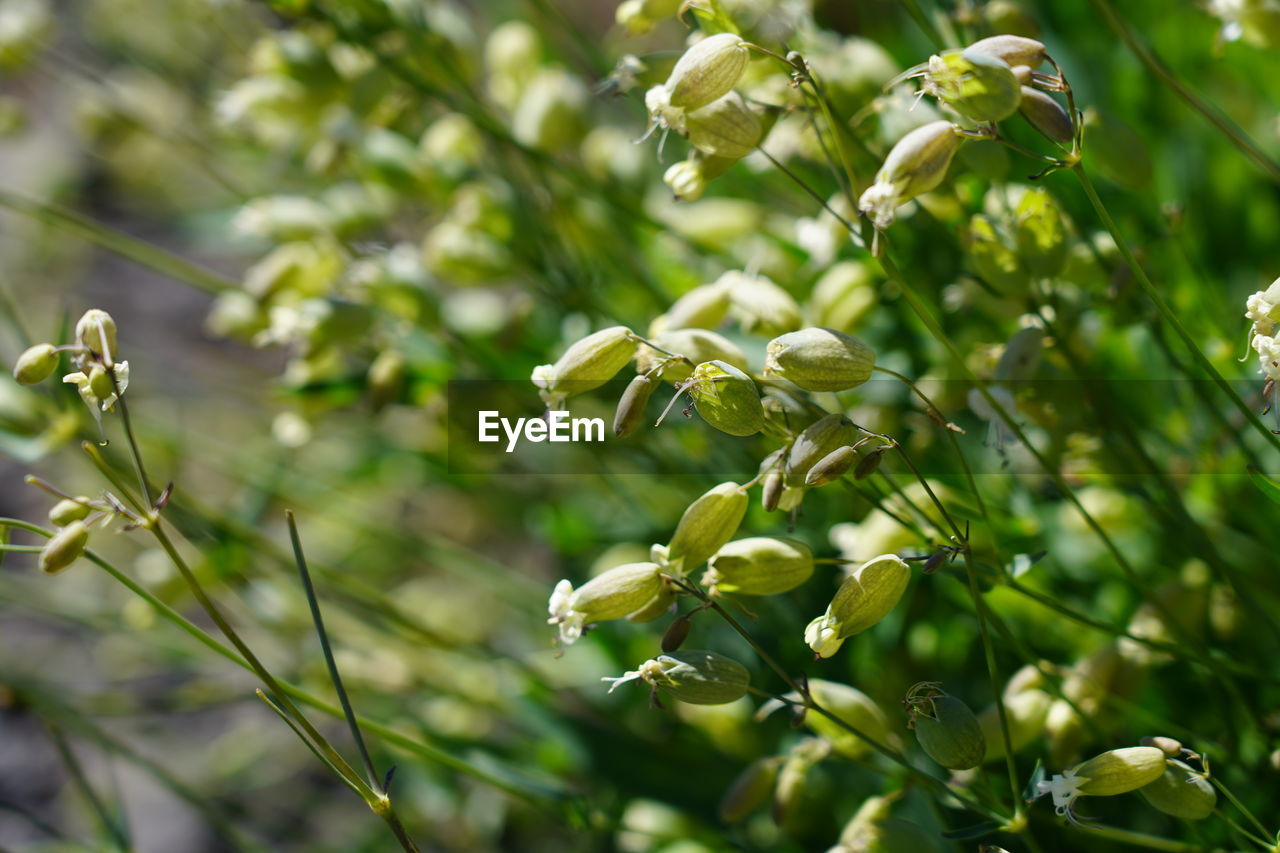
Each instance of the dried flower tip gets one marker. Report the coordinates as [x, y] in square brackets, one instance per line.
[96, 331]
[696, 345]
[831, 467]
[947, 730]
[771, 490]
[974, 83]
[865, 597]
[66, 511]
[613, 594]
[917, 164]
[706, 524]
[587, 364]
[707, 71]
[695, 677]
[1181, 793]
[36, 364]
[815, 442]
[1170, 747]
[64, 548]
[630, 411]
[819, 359]
[760, 565]
[1046, 115]
[1013, 50]
[726, 398]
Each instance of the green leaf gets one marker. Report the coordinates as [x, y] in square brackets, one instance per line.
[1265, 484]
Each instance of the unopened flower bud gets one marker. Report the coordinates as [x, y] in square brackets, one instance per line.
[759, 305]
[726, 398]
[587, 364]
[686, 180]
[1014, 50]
[708, 523]
[1170, 747]
[975, 83]
[771, 490]
[819, 359]
[831, 467]
[815, 442]
[947, 730]
[694, 677]
[750, 790]
[1046, 115]
[66, 511]
[630, 411]
[64, 548]
[842, 296]
[549, 113]
[97, 331]
[865, 597]
[704, 307]
[760, 565]
[35, 364]
[613, 594]
[793, 777]
[696, 345]
[707, 71]
[871, 828]
[1181, 793]
[677, 632]
[868, 464]
[917, 164]
[1117, 771]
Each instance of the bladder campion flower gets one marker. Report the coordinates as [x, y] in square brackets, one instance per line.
[613, 594]
[917, 164]
[1117, 771]
[865, 597]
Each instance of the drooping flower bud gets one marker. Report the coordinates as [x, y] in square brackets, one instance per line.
[630, 411]
[706, 524]
[975, 83]
[707, 71]
[760, 565]
[587, 364]
[726, 398]
[35, 364]
[97, 331]
[613, 594]
[1014, 50]
[819, 359]
[694, 677]
[945, 728]
[66, 511]
[917, 164]
[64, 548]
[815, 442]
[1181, 793]
[865, 597]
[1116, 771]
[842, 296]
[831, 467]
[696, 345]
[1046, 115]
[1025, 711]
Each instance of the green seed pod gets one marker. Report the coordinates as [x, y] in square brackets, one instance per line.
[1119, 771]
[865, 597]
[759, 305]
[831, 467]
[992, 259]
[630, 411]
[726, 398]
[699, 677]
[1014, 50]
[64, 548]
[707, 71]
[1041, 233]
[587, 364]
[66, 511]
[842, 296]
[855, 708]
[974, 83]
[819, 359]
[916, 165]
[97, 331]
[1181, 793]
[612, 594]
[727, 127]
[868, 464]
[708, 523]
[750, 790]
[815, 442]
[697, 345]
[760, 565]
[949, 732]
[35, 364]
[704, 307]
[1046, 115]
[771, 490]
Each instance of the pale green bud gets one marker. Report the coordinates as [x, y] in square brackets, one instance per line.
[831, 467]
[66, 511]
[976, 84]
[694, 677]
[947, 730]
[727, 127]
[707, 71]
[759, 305]
[696, 345]
[815, 442]
[452, 143]
[871, 830]
[1119, 771]
[749, 790]
[865, 597]
[630, 411]
[686, 180]
[612, 594]
[64, 548]
[726, 398]
[585, 365]
[1170, 747]
[1013, 50]
[1046, 115]
[917, 164]
[704, 307]
[35, 364]
[760, 565]
[819, 359]
[1041, 232]
[464, 254]
[1181, 793]
[97, 331]
[706, 524]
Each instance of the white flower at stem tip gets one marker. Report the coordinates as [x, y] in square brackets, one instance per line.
[1064, 787]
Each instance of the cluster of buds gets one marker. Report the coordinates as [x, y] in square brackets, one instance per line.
[101, 377]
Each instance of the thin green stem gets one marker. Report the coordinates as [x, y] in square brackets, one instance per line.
[1231, 798]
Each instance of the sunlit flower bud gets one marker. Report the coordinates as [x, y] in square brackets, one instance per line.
[726, 398]
[1181, 793]
[1013, 50]
[97, 332]
[1046, 115]
[831, 467]
[630, 411]
[760, 565]
[855, 708]
[707, 71]
[706, 524]
[35, 364]
[64, 548]
[1041, 233]
[686, 180]
[750, 790]
[819, 359]
[759, 305]
[585, 365]
[1117, 771]
[816, 441]
[613, 594]
[704, 307]
[917, 164]
[66, 511]
[946, 729]
[976, 84]
[727, 127]
[694, 677]
[865, 597]
[696, 345]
